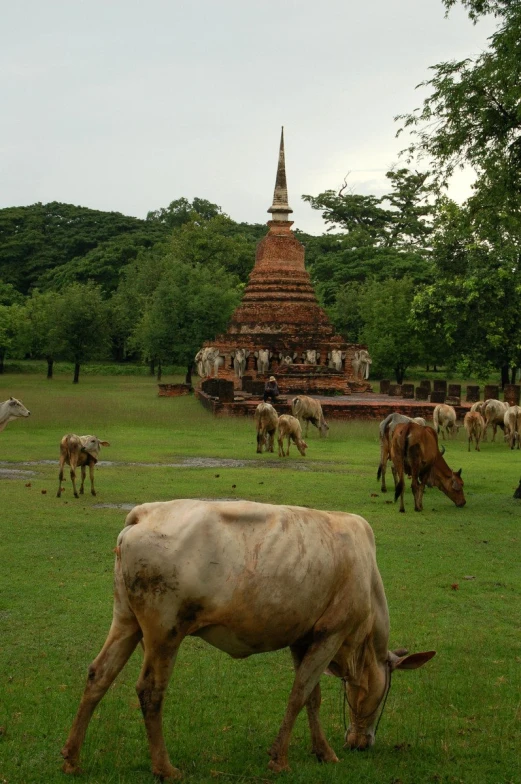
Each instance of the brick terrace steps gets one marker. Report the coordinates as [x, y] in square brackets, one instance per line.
[355, 406]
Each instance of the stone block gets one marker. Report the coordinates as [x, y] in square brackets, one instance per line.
[246, 383]
[440, 385]
[426, 384]
[438, 396]
[472, 395]
[257, 388]
[422, 393]
[174, 390]
[408, 390]
[511, 393]
[491, 391]
[384, 386]
[210, 386]
[225, 391]
[395, 390]
[454, 390]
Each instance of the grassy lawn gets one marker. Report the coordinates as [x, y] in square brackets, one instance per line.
[456, 720]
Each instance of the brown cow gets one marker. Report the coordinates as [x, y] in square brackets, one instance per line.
[415, 451]
[386, 431]
[249, 578]
[79, 452]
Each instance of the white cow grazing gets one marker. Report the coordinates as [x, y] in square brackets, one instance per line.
[512, 421]
[494, 415]
[335, 358]
[311, 356]
[11, 409]
[307, 410]
[79, 452]
[266, 419]
[444, 419]
[289, 427]
[248, 578]
[474, 424]
[240, 355]
[263, 356]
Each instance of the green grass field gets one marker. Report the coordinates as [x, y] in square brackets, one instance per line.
[456, 720]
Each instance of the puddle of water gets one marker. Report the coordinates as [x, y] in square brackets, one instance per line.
[13, 473]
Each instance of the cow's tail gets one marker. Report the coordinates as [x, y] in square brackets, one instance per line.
[295, 406]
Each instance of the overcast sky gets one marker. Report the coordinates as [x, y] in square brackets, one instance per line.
[127, 105]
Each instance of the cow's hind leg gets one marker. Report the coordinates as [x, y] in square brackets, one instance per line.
[314, 662]
[73, 480]
[160, 655]
[319, 745]
[123, 637]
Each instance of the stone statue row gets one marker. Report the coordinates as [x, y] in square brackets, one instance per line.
[208, 361]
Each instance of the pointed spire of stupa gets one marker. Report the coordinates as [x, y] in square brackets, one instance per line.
[280, 208]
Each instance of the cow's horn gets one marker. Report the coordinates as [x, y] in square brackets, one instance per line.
[442, 450]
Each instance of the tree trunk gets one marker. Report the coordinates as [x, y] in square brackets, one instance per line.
[400, 375]
[50, 364]
[159, 370]
[504, 375]
[189, 371]
[76, 373]
[152, 365]
[2, 357]
[514, 374]
[427, 367]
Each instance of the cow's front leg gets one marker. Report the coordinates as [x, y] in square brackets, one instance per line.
[307, 676]
[281, 446]
[91, 475]
[83, 473]
[319, 745]
[151, 686]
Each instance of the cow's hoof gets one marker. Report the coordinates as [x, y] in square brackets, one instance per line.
[70, 767]
[167, 773]
[325, 754]
[279, 766]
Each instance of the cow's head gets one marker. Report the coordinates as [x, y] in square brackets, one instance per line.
[367, 694]
[452, 485]
[323, 428]
[92, 445]
[301, 446]
[17, 408]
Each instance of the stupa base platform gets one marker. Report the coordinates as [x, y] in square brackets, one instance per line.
[355, 406]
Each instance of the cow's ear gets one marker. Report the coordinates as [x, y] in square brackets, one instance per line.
[458, 473]
[411, 661]
[104, 443]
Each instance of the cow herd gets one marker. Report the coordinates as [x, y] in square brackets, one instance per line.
[304, 410]
[250, 578]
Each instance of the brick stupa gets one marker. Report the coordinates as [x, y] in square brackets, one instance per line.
[280, 313]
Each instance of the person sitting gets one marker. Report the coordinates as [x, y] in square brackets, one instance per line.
[271, 390]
